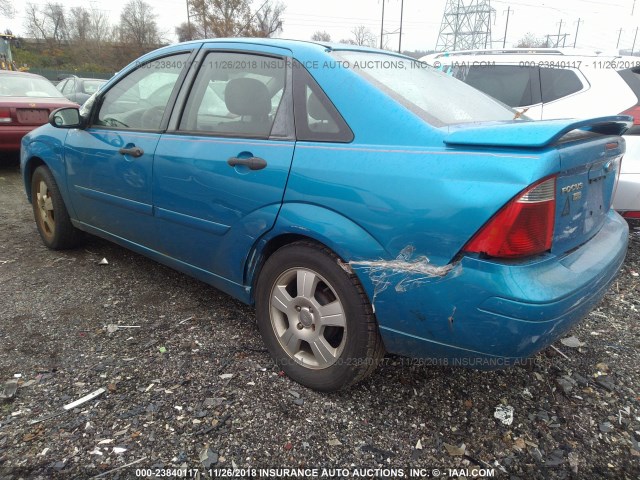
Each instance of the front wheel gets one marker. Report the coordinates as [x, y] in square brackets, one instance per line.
[50, 212]
[316, 319]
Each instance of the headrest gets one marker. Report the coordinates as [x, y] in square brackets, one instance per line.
[316, 110]
[247, 96]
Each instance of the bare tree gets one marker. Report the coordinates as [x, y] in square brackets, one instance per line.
[57, 20]
[197, 26]
[268, 20]
[138, 24]
[531, 41]
[230, 18]
[35, 22]
[79, 24]
[225, 18]
[189, 31]
[363, 36]
[7, 9]
[320, 36]
[101, 29]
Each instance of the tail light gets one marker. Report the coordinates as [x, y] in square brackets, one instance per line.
[633, 112]
[631, 214]
[616, 164]
[523, 227]
[5, 115]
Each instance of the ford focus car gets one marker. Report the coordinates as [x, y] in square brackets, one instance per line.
[359, 211]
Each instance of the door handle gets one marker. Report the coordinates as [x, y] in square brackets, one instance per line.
[134, 151]
[254, 163]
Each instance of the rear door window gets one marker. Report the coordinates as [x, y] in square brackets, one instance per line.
[235, 94]
[514, 85]
[557, 83]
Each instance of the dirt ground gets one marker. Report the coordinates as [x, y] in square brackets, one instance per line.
[188, 385]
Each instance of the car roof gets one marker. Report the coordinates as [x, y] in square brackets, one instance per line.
[513, 55]
[296, 46]
[22, 74]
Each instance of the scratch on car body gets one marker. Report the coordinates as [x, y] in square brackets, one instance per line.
[404, 271]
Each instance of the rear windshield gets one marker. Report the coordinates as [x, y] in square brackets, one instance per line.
[27, 86]
[437, 98]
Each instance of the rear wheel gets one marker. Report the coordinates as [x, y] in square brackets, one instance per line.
[50, 212]
[315, 318]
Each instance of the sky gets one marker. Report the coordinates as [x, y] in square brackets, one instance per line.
[600, 25]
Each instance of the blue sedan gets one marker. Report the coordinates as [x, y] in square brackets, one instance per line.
[362, 201]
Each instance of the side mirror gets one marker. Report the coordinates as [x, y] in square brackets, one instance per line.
[67, 117]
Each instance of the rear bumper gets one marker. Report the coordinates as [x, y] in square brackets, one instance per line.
[485, 314]
[11, 135]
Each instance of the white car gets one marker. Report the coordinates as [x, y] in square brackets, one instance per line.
[544, 83]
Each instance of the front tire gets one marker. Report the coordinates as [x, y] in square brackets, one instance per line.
[50, 212]
[316, 319]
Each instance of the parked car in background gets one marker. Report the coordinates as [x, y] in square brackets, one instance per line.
[545, 83]
[79, 89]
[26, 100]
[332, 187]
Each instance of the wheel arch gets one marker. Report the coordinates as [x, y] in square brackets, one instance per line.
[297, 222]
[41, 153]
[27, 173]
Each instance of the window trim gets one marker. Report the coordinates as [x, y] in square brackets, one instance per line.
[170, 102]
[284, 114]
[302, 78]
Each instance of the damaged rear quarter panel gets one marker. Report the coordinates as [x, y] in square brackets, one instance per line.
[434, 199]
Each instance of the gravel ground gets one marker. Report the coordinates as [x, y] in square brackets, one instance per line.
[191, 386]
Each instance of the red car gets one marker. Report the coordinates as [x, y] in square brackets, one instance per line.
[26, 100]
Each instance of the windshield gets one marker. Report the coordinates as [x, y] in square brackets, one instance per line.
[27, 86]
[435, 97]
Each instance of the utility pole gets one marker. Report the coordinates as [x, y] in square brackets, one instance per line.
[559, 30]
[504, 41]
[382, 26]
[401, 15]
[575, 40]
[619, 35]
[633, 8]
[634, 41]
[189, 21]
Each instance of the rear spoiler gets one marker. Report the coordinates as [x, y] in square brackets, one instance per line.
[534, 134]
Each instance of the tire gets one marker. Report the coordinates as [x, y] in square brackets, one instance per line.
[52, 219]
[325, 337]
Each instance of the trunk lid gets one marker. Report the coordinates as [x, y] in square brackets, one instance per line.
[590, 152]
